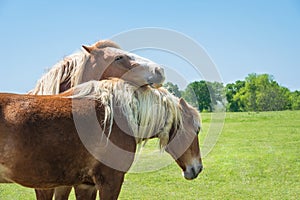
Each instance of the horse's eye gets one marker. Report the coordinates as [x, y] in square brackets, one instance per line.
[119, 58]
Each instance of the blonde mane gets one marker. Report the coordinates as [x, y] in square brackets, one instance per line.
[68, 71]
[149, 112]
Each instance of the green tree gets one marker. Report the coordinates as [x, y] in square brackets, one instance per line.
[295, 100]
[272, 98]
[197, 94]
[249, 93]
[234, 103]
[217, 94]
[262, 93]
[173, 88]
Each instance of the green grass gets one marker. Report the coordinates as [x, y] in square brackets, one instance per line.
[257, 157]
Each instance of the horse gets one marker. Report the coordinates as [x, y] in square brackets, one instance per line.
[102, 60]
[89, 134]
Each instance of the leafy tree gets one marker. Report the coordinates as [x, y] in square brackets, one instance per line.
[234, 103]
[197, 94]
[272, 98]
[255, 93]
[249, 93]
[295, 100]
[262, 93]
[173, 88]
[217, 94]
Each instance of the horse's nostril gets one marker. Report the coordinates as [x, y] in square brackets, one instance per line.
[159, 75]
[194, 172]
[160, 71]
[157, 78]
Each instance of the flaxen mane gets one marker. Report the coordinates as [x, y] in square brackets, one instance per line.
[149, 111]
[68, 71]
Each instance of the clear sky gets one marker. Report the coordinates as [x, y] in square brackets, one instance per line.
[240, 36]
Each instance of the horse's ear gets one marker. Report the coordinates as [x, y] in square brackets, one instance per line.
[183, 103]
[88, 49]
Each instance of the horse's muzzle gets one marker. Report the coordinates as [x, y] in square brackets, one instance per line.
[192, 171]
[157, 78]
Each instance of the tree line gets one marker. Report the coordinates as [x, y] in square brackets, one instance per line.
[258, 92]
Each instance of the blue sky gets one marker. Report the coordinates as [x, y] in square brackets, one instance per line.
[241, 37]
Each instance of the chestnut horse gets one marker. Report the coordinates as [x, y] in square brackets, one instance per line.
[89, 134]
[100, 61]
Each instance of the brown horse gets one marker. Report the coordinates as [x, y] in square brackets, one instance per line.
[100, 61]
[88, 135]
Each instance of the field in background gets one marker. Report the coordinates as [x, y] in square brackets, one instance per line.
[256, 157]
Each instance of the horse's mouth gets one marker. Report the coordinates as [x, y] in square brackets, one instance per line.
[155, 85]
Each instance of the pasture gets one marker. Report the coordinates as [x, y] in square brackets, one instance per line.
[256, 157]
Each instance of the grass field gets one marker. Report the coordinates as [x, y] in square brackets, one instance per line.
[257, 157]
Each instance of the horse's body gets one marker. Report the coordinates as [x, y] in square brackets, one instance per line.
[100, 61]
[42, 145]
[41, 148]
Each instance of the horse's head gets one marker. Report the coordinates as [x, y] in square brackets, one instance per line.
[108, 60]
[183, 142]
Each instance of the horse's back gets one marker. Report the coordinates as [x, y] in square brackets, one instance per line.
[18, 109]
